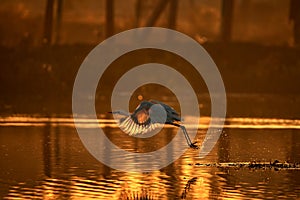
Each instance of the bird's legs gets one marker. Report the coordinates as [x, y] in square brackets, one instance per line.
[192, 145]
[188, 140]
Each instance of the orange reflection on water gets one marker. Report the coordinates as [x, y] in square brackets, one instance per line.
[55, 164]
[204, 122]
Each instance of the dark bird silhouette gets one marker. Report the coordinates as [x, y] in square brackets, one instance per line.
[147, 116]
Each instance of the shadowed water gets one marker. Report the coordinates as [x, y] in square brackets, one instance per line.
[43, 157]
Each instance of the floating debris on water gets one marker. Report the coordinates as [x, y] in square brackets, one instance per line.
[276, 165]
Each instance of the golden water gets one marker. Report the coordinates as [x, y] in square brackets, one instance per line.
[43, 158]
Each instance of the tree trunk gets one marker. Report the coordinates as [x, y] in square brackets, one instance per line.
[173, 14]
[48, 23]
[138, 10]
[59, 11]
[156, 13]
[109, 18]
[227, 17]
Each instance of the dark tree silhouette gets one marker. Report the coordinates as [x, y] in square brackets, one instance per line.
[295, 18]
[109, 18]
[138, 7]
[59, 11]
[173, 13]
[227, 16]
[48, 22]
[157, 12]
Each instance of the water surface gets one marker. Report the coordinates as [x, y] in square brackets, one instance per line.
[43, 157]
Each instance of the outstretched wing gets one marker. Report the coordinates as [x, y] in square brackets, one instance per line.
[137, 123]
[147, 116]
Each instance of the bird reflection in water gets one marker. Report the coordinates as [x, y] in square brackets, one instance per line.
[187, 187]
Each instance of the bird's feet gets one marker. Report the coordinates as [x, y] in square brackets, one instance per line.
[192, 145]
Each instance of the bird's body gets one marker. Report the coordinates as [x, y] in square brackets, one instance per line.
[147, 116]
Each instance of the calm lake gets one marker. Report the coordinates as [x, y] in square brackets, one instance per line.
[44, 158]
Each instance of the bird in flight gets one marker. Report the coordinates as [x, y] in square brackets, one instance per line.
[147, 116]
